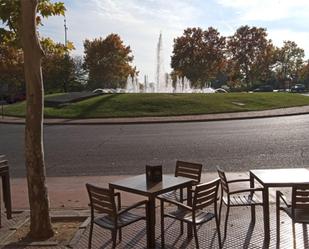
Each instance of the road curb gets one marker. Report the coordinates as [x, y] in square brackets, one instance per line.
[171, 119]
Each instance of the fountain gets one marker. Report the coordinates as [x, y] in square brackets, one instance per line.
[160, 78]
[163, 81]
[132, 85]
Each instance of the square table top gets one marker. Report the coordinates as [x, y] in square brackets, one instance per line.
[138, 185]
[281, 177]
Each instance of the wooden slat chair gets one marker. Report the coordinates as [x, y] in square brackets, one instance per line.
[205, 195]
[189, 170]
[297, 210]
[111, 216]
[185, 169]
[237, 198]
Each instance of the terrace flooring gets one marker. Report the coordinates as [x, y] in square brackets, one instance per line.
[241, 234]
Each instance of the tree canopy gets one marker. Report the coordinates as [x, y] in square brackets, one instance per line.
[107, 62]
[289, 62]
[12, 77]
[248, 49]
[10, 13]
[58, 65]
[198, 55]
[244, 60]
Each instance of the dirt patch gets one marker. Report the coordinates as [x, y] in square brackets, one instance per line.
[64, 232]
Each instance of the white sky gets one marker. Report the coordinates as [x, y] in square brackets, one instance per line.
[139, 23]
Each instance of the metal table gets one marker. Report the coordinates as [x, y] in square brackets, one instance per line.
[138, 185]
[269, 178]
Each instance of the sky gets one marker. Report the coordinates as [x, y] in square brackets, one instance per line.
[139, 23]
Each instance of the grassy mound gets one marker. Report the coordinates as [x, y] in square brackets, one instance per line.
[143, 105]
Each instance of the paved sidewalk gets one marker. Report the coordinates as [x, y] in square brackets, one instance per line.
[68, 195]
[186, 118]
[70, 192]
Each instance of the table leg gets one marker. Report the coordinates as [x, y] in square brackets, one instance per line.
[151, 242]
[189, 202]
[266, 217]
[252, 207]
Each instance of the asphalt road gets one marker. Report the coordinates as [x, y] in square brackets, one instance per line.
[236, 145]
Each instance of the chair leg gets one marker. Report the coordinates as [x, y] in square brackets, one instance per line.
[114, 238]
[181, 227]
[162, 224]
[120, 234]
[90, 235]
[220, 208]
[226, 219]
[0, 209]
[218, 231]
[294, 235]
[253, 214]
[181, 200]
[6, 188]
[278, 226]
[197, 246]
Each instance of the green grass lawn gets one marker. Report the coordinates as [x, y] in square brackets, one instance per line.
[142, 105]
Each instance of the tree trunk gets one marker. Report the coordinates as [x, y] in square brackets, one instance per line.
[40, 223]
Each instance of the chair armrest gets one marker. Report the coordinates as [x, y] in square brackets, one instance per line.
[179, 204]
[280, 196]
[246, 190]
[140, 203]
[239, 180]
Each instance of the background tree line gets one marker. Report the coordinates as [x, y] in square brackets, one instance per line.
[106, 64]
[242, 61]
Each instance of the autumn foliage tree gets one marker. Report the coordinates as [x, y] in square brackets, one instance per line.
[248, 49]
[289, 62]
[58, 66]
[199, 55]
[12, 78]
[108, 62]
[304, 74]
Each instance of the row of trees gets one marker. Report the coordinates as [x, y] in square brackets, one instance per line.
[61, 72]
[107, 63]
[244, 60]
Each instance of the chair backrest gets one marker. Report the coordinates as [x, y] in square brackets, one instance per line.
[102, 200]
[189, 170]
[224, 183]
[4, 168]
[206, 194]
[300, 197]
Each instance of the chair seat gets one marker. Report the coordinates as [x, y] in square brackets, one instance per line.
[242, 200]
[301, 214]
[174, 195]
[123, 220]
[186, 215]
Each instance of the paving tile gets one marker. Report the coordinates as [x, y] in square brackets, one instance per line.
[240, 233]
